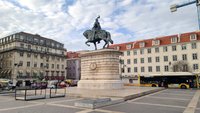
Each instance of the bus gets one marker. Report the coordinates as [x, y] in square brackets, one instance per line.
[181, 80]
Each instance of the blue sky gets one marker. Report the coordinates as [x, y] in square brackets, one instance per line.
[66, 20]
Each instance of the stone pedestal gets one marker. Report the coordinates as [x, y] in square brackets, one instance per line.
[100, 70]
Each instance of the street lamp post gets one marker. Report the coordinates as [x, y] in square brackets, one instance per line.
[0, 71]
[174, 7]
[14, 72]
[66, 72]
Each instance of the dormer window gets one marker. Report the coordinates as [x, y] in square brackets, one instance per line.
[174, 40]
[117, 47]
[142, 44]
[193, 37]
[128, 46]
[156, 42]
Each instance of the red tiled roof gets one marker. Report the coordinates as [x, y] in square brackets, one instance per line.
[71, 54]
[165, 40]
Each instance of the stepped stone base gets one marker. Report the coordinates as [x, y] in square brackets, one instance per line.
[100, 84]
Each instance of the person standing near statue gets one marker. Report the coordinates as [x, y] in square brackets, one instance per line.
[96, 27]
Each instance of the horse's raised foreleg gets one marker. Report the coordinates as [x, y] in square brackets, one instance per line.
[105, 43]
[95, 45]
[87, 43]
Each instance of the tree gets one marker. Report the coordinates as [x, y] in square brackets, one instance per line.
[181, 66]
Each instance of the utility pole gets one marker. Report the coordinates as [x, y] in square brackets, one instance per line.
[174, 7]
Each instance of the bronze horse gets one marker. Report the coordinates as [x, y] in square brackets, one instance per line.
[97, 37]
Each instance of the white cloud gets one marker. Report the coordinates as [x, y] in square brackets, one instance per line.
[126, 20]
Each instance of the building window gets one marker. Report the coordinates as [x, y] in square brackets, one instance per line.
[149, 50]
[141, 51]
[150, 68]
[184, 47]
[52, 66]
[135, 52]
[62, 66]
[157, 68]
[142, 60]
[128, 53]
[52, 73]
[193, 37]
[194, 56]
[28, 55]
[20, 63]
[47, 66]
[129, 70]
[166, 68]
[41, 56]
[135, 61]
[174, 57]
[174, 39]
[142, 69]
[165, 58]
[195, 66]
[28, 64]
[121, 61]
[157, 50]
[128, 61]
[157, 59]
[128, 46]
[165, 49]
[184, 56]
[135, 69]
[173, 48]
[122, 70]
[21, 54]
[57, 66]
[21, 45]
[149, 60]
[41, 65]
[156, 42]
[142, 44]
[29, 47]
[185, 68]
[194, 45]
[35, 64]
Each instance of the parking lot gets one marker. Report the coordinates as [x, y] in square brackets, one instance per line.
[166, 101]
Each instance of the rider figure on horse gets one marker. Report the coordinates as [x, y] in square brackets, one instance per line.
[96, 28]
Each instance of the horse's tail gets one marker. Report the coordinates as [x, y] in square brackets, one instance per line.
[109, 37]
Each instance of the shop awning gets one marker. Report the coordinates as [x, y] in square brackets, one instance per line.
[1, 72]
[9, 71]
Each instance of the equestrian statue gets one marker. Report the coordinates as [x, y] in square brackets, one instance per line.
[97, 34]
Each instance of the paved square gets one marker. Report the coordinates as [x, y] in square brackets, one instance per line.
[166, 101]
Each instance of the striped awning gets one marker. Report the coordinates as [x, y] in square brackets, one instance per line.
[9, 71]
[1, 72]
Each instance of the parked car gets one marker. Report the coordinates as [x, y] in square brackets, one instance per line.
[71, 82]
[39, 85]
[6, 84]
[62, 84]
[52, 83]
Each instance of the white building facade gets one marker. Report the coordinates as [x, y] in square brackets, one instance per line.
[31, 56]
[159, 55]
